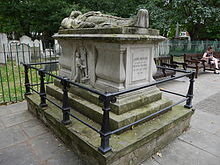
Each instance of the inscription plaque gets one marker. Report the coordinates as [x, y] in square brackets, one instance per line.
[139, 64]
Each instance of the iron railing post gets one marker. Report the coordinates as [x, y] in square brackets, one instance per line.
[42, 89]
[190, 91]
[105, 129]
[27, 83]
[65, 108]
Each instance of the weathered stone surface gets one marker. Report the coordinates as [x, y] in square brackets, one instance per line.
[16, 118]
[124, 103]
[205, 140]
[18, 155]
[11, 136]
[117, 120]
[33, 128]
[95, 19]
[3, 48]
[121, 30]
[128, 147]
[111, 54]
[182, 153]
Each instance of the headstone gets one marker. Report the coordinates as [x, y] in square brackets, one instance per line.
[49, 53]
[13, 49]
[57, 48]
[35, 50]
[23, 55]
[3, 48]
[26, 40]
[51, 67]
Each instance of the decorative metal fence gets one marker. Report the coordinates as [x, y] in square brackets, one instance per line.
[105, 98]
[12, 72]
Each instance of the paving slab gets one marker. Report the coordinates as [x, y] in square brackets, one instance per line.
[210, 104]
[1, 125]
[150, 161]
[16, 118]
[52, 150]
[181, 153]
[11, 136]
[204, 121]
[18, 155]
[203, 140]
[33, 128]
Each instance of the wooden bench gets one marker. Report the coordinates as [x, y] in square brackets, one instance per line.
[166, 62]
[194, 61]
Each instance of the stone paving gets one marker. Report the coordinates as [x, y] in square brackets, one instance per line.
[25, 141]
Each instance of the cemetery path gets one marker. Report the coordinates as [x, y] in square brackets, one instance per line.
[26, 141]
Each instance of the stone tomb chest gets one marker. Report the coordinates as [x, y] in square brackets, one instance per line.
[114, 58]
[111, 54]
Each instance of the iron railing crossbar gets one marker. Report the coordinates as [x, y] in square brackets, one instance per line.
[93, 128]
[53, 103]
[145, 86]
[178, 70]
[39, 83]
[42, 63]
[69, 81]
[34, 90]
[178, 94]
[147, 117]
[187, 73]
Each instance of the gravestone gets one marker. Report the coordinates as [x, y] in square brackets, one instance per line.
[48, 53]
[13, 49]
[35, 50]
[23, 55]
[57, 48]
[111, 54]
[3, 48]
[26, 40]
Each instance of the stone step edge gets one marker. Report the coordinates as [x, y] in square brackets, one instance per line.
[91, 148]
[119, 107]
[95, 112]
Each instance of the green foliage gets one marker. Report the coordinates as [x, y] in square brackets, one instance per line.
[200, 18]
[25, 16]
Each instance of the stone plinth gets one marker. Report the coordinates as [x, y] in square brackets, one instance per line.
[129, 148]
[113, 61]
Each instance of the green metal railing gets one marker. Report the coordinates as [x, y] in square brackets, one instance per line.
[12, 55]
[180, 47]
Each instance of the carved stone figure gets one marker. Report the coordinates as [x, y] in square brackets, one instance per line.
[81, 75]
[95, 19]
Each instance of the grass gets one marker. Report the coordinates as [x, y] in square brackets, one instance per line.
[12, 79]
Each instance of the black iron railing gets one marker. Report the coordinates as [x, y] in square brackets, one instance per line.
[105, 98]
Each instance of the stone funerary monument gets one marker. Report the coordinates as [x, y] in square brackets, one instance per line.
[111, 54]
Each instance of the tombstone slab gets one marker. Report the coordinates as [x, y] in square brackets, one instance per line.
[3, 48]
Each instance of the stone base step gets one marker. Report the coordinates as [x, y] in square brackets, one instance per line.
[95, 112]
[130, 147]
[124, 103]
